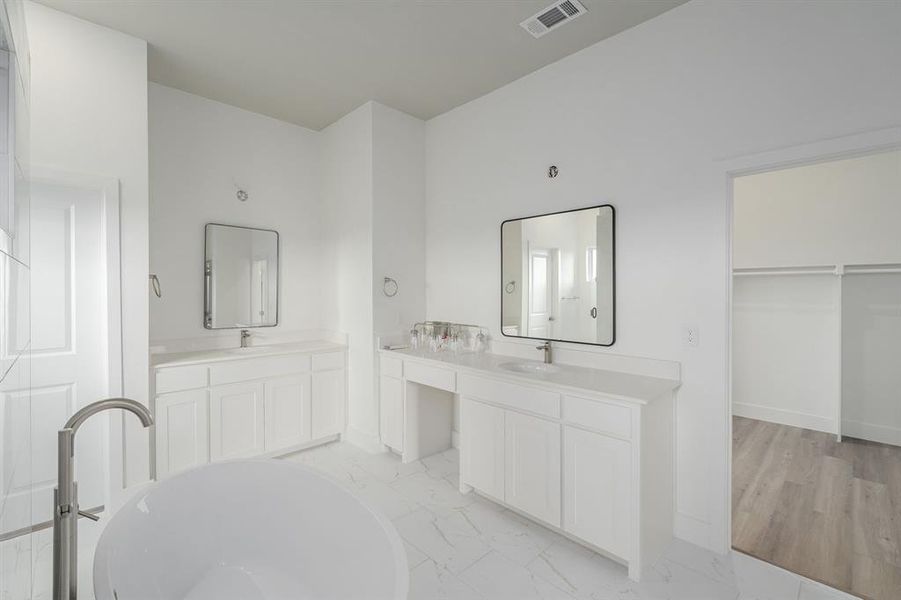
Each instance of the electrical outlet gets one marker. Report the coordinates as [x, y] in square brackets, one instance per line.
[690, 336]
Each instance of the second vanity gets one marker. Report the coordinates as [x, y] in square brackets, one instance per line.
[244, 402]
[586, 452]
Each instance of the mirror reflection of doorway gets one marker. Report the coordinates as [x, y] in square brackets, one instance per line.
[816, 388]
[543, 295]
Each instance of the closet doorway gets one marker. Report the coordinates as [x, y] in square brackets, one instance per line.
[816, 371]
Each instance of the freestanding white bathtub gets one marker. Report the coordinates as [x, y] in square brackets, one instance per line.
[249, 530]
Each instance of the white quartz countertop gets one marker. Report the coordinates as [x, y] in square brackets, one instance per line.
[624, 386]
[173, 359]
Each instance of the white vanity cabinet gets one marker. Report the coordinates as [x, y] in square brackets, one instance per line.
[183, 419]
[236, 420]
[287, 407]
[532, 466]
[328, 403]
[391, 412]
[587, 452]
[220, 405]
[597, 490]
[482, 431]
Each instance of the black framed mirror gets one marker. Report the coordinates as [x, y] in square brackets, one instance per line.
[240, 275]
[558, 276]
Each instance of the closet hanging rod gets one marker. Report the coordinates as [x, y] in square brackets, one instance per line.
[887, 268]
[870, 271]
[786, 271]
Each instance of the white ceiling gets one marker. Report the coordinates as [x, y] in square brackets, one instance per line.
[310, 62]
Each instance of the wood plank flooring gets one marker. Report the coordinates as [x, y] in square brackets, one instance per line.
[827, 510]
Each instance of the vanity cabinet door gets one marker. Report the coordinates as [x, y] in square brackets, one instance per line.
[391, 412]
[287, 408]
[181, 431]
[236, 420]
[597, 476]
[532, 466]
[482, 450]
[328, 403]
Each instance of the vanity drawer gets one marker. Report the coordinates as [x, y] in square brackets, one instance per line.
[390, 366]
[328, 362]
[249, 369]
[598, 415]
[174, 379]
[435, 377]
[520, 397]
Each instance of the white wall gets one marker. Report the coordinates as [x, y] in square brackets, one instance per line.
[641, 120]
[89, 116]
[785, 340]
[201, 153]
[372, 189]
[871, 347]
[346, 192]
[836, 212]
[398, 171]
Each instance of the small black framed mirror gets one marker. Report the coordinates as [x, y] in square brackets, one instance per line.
[240, 275]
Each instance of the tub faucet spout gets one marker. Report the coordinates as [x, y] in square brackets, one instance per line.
[65, 496]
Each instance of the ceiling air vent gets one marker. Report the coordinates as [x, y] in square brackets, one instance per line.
[553, 17]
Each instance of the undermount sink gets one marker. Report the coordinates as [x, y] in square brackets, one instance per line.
[529, 367]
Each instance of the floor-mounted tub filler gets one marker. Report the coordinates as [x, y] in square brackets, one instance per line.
[249, 530]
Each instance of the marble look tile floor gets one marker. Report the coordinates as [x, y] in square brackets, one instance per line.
[463, 547]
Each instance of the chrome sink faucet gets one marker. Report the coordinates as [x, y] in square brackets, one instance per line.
[245, 338]
[65, 495]
[547, 351]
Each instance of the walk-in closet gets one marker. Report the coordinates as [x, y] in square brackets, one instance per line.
[816, 370]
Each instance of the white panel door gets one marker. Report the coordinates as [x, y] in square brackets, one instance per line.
[182, 425]
[236, 420]
[391, 412]
[532, 466]
[288, 407]
[68, 340]
[597, 490]
[482, 449]
[328, 403]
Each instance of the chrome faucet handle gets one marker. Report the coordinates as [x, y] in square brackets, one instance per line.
[88, 515]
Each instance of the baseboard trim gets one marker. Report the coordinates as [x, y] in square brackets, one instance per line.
[871, 432]
[370, 442]
[783, 417]
[693, 530]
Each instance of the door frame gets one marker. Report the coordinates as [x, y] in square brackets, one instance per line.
[838, 148]
[108, 188]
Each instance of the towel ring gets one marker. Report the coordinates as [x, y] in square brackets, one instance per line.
[510, 287]
[389, 288]
[155, 284]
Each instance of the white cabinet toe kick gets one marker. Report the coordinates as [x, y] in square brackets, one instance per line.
[216, 406]
[591, 458]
